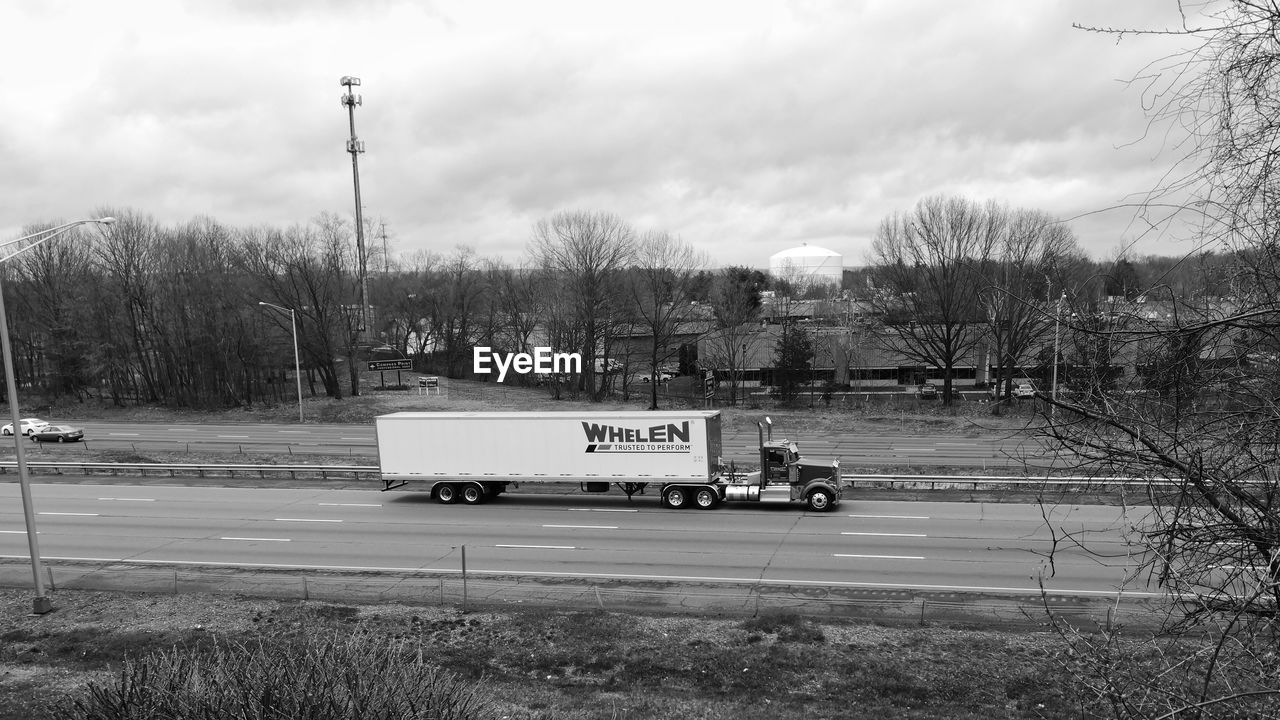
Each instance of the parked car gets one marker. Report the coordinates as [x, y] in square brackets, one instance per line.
[27, 425]
[57, 433]
[927, 391]
[663, 376]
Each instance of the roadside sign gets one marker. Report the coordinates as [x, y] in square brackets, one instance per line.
[405, 364]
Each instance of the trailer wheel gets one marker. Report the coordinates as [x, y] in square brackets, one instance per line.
[446, 493]
[675, 497]
[820, 500]
[472, 494]
[705, 499]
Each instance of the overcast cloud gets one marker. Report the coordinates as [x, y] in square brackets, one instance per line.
[745, 127]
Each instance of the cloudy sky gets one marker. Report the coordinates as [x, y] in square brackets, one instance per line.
[743, 126]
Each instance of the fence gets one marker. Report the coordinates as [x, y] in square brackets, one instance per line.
[484, 590]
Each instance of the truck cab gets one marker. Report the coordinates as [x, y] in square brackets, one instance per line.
[785, 476]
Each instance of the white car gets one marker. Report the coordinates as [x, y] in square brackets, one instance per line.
[27, 425]
[663, 376]
[1024, 391]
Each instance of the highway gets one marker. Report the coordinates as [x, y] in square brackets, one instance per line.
[358, 441]
[937, 546]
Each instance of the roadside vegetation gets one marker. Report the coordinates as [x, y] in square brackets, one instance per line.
[110, 657]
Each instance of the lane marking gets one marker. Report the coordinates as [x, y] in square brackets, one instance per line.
[886, 534]
[70, 513]
[891, 517]
[882, 557]
[1037, 591]
[351, 504]
[253, 539]
[585, 527]
[295, 432]
[18, 532]
[601, 510]
[124, 433]
[129, 499]
[540, 547]
[305, 520]
[233, 437]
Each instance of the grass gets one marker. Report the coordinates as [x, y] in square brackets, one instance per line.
[549, 663]
[966, 418]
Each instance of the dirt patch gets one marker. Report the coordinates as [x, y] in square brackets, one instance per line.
[550, 663]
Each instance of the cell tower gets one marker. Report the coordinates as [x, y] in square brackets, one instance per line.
[355, 146]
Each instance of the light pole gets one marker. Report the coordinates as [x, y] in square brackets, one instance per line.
[41, 603]
[297, 367]
[1053, 391]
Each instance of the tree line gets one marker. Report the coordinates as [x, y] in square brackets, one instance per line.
[182, 316]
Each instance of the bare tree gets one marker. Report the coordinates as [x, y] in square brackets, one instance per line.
[126, 300]
[923, 266]
[1199, 417]
[587, 252]
[297, 269]
[1032, 259]
[735, 307]
[48, 287]
[661, 285]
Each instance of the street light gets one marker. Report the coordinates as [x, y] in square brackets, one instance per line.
[297, 367]
[1053, 391]
[41, 603]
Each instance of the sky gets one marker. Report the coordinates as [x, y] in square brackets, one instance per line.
[744, 127]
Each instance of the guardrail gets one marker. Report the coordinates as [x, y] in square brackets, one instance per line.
[197, 469]
[356, 472]
[974, 481]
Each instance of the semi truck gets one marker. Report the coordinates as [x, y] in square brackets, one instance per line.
[473, 457]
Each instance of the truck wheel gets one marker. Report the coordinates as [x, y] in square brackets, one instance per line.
[675, 497]
[472, 494]
[705, 499]
[446, 493]
[819, 500]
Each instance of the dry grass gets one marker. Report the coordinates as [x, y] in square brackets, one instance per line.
[543, 663]
[904, 416]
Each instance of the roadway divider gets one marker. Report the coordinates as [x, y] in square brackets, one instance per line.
[195, 469]
[357, 472]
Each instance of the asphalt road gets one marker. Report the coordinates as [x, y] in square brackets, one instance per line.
[358, 441]
[997, 548]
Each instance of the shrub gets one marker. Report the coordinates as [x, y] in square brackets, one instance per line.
[330, 678]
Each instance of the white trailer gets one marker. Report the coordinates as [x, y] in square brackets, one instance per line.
[474, 456]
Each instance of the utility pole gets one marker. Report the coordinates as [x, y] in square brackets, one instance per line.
[355, 147]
